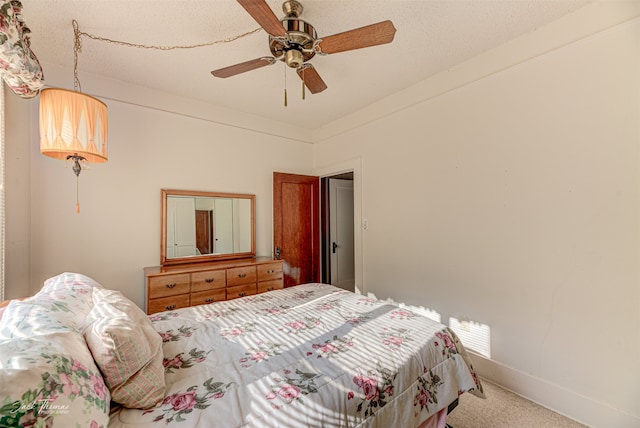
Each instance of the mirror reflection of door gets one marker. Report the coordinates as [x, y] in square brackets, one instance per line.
[201, 226]
[181, 227]
[223, 219]
[242, 237]
[204, 231]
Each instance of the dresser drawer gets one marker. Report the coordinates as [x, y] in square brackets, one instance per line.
[178, 286]
[168, 303]
[206, 297]
[269, 271]
[241, 291]
[208, 280]
[241, 275]
[274, 284]
[168, 285]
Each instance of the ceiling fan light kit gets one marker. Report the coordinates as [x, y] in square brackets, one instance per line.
[295, 41]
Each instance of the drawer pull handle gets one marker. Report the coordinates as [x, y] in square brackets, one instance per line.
[242, 294]
[270, 289]
[171, 285]
[210, 300]
[170, 307]
[242, 275]
[270, 271]
[209, 280]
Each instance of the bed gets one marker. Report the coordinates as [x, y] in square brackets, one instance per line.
[79, 354]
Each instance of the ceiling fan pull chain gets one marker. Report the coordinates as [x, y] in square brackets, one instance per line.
[303, 84]
[285, 86]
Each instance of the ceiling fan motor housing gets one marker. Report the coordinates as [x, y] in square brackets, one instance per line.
[297, 47]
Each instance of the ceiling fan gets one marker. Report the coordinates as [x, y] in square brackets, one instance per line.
[295, 41]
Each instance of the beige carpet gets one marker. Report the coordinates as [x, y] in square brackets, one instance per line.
[504, 409]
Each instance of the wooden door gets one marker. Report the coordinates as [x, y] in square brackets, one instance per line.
[296, 226]
[204, 231]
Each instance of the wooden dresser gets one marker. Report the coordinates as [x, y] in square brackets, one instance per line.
[180, 286]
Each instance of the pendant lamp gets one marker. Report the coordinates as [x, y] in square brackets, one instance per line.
[73, 125]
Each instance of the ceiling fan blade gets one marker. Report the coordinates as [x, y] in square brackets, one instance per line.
[311, 79]
[232, 70]
[363, 37]
[262, 13]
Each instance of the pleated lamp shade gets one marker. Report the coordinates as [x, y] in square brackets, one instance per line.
[73, 123]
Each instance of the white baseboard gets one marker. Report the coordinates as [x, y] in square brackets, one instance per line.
[561, 400]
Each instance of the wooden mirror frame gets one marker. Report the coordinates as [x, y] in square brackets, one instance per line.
[164, 261]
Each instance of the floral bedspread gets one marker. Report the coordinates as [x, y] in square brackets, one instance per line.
[48, 377]
[306, 356]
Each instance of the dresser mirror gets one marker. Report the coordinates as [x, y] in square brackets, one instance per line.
[206, 226]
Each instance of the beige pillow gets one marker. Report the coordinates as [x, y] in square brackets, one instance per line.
[126, 349]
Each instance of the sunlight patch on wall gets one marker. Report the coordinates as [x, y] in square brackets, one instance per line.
[421, 310]
[425, 312]
[474, 336]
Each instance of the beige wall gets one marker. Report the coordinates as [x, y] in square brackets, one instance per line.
[514, 201]
[117, 232]
[17, 160]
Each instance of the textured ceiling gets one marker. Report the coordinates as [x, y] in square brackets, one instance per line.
[432, 36]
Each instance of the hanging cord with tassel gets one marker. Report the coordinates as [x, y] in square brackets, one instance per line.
[77, 195]
[77, 169]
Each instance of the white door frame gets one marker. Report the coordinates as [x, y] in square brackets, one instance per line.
[355, 166]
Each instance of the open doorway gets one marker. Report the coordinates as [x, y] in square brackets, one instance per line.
[337, 229]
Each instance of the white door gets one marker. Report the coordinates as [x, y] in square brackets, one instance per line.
[181, 230]
[223, 226]
[341, 233]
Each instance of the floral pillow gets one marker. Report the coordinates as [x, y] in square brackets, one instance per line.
[71, 295]
[46, 370]
[127, 349]
[19, 66]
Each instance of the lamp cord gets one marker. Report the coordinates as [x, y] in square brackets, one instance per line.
[160, 47]
[77, 46]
